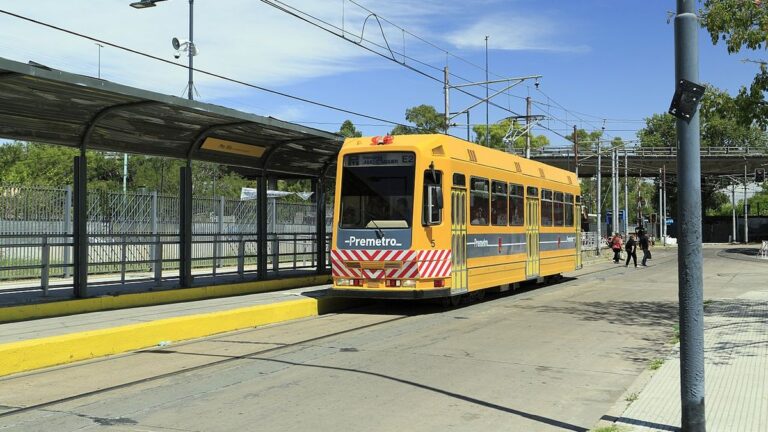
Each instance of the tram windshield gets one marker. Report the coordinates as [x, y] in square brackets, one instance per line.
[377, 190]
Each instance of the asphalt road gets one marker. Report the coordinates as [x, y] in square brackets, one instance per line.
[548, 359]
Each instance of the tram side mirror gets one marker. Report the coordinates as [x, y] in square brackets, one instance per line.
[434, 205]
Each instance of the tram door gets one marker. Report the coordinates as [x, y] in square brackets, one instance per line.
[459, 275]
[532, 237]
[577, 222]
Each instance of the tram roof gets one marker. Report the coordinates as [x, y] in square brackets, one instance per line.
[47, 105]
[457, 148]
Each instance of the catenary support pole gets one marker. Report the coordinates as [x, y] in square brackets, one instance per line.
[614, 199]
[662, 220]
[446, 104]
[599, 198]
[746, 209]
[689, 251]
[626, 192]
[575, 152]
[487, 126]
[733, 212]
[664, 200]
[528, 127]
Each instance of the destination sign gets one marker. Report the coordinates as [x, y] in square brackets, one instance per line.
[379, 159]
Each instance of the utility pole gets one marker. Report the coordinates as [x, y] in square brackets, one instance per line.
[528, 127]
[689, 251]
[599, 197]
[191, 52]
[100, 46]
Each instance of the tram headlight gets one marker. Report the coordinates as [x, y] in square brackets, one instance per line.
[348, 282]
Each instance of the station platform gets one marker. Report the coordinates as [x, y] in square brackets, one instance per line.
[50, 334]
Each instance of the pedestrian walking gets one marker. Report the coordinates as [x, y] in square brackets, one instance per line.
[645, 245]
[631, 248]
[616, 246]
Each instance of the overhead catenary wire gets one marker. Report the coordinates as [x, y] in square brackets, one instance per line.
[340, 32]
[201, 71]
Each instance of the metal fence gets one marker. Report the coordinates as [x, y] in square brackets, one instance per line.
[136, 235]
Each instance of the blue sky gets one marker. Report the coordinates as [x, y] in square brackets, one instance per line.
[611, 59]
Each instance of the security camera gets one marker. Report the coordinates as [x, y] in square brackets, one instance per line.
[177, 54]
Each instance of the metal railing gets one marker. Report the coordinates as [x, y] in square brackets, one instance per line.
[135, 236]
[567, 152]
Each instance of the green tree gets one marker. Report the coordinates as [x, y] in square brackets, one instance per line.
[741, 25]
[586, 140]
[426, 120]
[659, 131]
[500, 129]
[720, 125]
[348, 130]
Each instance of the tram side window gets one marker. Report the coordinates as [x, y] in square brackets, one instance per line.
[546, 207]
[568, 210]
[433, 201]
[499, 203]
[516, 210]
[479, 201]
[559, 209]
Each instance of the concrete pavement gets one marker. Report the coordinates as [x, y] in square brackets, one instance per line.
[736, 320]
[736, 358]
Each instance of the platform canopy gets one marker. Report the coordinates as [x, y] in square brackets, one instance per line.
[41, 104]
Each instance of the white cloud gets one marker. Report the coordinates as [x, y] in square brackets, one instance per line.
[514, 33]
[243, 39]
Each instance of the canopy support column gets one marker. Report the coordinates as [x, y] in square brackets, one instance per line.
[80, 227]
[261, 199]
[319, 189]
[185, 226]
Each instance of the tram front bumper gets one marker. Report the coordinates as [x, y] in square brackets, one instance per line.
[392, 293]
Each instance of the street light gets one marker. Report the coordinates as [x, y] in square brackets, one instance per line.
[145, 4]
[178, 45]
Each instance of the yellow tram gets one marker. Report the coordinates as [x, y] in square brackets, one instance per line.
[433, 216]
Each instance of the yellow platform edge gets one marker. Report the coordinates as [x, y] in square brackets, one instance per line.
[28, 355]
[96, 304]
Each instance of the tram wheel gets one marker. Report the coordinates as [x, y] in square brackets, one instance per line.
[451, 302]
[479, 295]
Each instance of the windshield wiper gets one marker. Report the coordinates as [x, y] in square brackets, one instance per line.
[379, 231]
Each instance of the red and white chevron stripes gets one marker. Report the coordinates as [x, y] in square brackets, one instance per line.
[415, 264]
[434, 263]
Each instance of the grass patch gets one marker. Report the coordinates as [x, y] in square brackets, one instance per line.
[631, 397]
[655, 364]
[611, 428]
[675, 339]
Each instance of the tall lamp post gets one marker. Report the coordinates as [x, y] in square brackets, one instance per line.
[187, 46]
